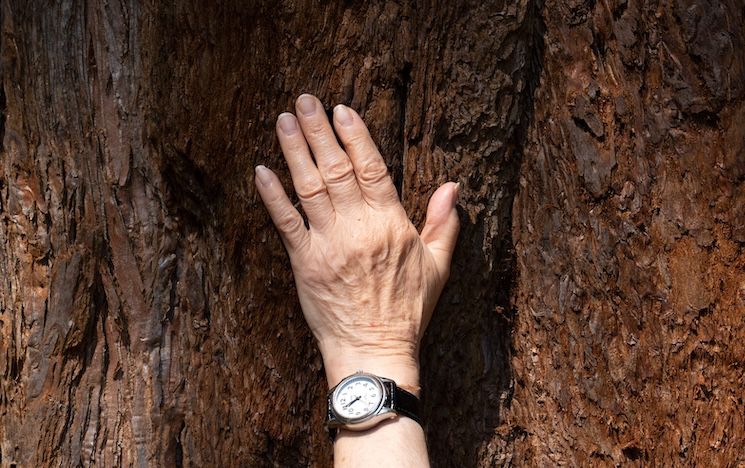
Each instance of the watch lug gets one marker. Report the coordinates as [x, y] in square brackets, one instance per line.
[390, 394]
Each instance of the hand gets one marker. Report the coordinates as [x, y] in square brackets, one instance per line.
[367, 280]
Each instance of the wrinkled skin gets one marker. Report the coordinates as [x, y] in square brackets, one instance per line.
[366, 279]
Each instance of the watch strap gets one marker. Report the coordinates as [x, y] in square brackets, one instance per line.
[404, 403]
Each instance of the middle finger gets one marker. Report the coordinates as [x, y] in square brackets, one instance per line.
[333, 163]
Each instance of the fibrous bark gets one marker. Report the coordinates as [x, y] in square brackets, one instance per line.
[629, 227]
[147, 311]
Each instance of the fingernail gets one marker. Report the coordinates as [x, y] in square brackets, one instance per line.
[343, 115]
[306, 104]
[287, 123]
[456, 190]
[263, 174]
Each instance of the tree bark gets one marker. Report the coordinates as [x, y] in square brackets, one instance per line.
[629, 228]
[595, 311]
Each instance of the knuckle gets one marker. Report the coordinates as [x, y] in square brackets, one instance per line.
[339, 171]
[310, 190]
[321, 138]
[290, 223]
[373, 172]
[296, 145]
[317, 129]
[357, 140]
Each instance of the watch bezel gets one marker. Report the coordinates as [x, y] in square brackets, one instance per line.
[370, 419]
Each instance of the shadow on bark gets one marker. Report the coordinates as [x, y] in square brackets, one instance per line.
[467, 372]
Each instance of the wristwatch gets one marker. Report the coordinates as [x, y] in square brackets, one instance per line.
[363, 400]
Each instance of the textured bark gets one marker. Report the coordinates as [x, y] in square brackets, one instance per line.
[629, 228]
[595, 310]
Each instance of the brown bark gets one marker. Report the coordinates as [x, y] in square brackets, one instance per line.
[629, 229]
[147, 312]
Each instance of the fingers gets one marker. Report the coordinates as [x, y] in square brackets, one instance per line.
[286, 218]
[306, 179]
[333, 164]
[440, 231]
[370, 169]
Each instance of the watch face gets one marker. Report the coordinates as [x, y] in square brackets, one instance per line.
[357, 397]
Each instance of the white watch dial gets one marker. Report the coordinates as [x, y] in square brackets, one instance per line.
[358, 397]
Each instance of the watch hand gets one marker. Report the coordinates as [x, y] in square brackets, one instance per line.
[350, 403]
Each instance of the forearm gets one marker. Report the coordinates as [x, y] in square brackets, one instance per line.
[394, 443]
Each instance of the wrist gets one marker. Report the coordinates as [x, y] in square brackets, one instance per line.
[401, 367]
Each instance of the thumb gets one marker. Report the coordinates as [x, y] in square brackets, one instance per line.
[441, 228]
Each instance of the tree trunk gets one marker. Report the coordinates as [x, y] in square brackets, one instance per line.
[629, 234]
[596, 308]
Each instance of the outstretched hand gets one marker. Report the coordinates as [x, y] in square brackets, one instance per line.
[367, 280]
